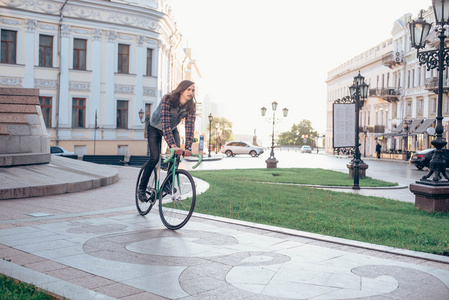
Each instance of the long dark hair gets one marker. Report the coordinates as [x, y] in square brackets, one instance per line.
[176, 94]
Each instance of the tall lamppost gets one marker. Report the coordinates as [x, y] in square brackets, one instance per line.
[272, 161]
[438, 58]
[407, 130]
[359, 90]
[365, 132]
[211, 118]
[147, 119]
[216, 137]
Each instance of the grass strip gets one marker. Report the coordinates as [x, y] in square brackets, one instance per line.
[11, 289]
[236, 194]
[302, 176]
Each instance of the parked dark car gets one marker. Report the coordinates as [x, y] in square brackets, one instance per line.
[422, 158]
[57, 150]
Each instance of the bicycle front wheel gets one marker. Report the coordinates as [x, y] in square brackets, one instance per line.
[177, 199]
[144, 207]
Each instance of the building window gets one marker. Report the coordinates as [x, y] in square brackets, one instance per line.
[433, 106]
[420, 110]
[408, 79]
[46, 110]
[122, 114]
[79, 54]
[419, 76]
[149, 62]
[445, 105]
[409, 109]
[8, 50]
[78, 112]
[123, 59]
[394, 112]
[45, 51]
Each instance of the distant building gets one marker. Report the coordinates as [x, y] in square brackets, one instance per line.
[95, 63]
[400, 89]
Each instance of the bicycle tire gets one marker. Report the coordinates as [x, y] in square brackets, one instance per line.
[177, 202]
[144, 207]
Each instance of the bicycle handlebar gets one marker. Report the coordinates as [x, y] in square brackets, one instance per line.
[172, 153]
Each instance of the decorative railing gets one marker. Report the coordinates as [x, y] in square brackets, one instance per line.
[393, 58]
[389, 94]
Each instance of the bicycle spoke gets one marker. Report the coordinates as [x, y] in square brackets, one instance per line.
[144, 207]
[178, 200]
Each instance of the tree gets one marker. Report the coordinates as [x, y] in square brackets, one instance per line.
[298, 133]
[224, 132]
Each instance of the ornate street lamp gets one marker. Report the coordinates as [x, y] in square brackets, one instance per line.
[147, 119]
[407, 130]
[438, 58]
[216, 137]
[211, 118]
[359, 90]
[365, 132]
[272, 161]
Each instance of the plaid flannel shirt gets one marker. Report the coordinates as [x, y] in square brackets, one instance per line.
[166, 123]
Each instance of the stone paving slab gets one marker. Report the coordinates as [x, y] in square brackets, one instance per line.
[134, 255]
[94, 245]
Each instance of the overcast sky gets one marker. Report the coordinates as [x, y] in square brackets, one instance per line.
[253, 52]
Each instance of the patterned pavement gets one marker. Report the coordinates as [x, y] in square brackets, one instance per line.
[93, 245]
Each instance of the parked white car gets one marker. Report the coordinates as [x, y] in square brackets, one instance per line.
[306, 149]
[233, 148]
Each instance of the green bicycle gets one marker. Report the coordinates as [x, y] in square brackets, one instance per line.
[177, 194]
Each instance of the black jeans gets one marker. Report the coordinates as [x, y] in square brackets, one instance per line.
[154, 144]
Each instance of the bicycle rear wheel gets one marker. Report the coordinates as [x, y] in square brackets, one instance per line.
[144, 207]
[177, 200]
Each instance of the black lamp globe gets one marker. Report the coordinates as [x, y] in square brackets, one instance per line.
[141, 115]
[364, 90]
[353, 90]
[359, 79]
[441, 11]
[419, 31]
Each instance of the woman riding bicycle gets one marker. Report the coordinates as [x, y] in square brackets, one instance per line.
[180, 104]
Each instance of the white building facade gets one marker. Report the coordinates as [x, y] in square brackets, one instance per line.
[96, 63]
[400, 92]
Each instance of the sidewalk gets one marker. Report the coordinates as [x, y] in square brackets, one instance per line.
[92, 244]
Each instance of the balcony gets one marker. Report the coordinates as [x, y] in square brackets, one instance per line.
[431, 84]
[379, 128]
[393, 58]
[372, 129]
[389, 95]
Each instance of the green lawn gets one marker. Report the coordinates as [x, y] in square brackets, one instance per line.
[11, 289]
[240, 194]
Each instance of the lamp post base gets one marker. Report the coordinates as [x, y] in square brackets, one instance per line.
[362, 170]
[272, 163]
[431, 198]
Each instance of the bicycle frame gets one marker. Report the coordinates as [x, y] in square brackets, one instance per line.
[173, 161]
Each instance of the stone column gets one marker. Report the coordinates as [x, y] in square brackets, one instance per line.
[28, 81]
[111, 61]
[140, 72]
[96, 78]
[65, 102]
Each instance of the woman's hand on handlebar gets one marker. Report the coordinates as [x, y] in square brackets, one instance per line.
[187, 152]
[178, 151]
